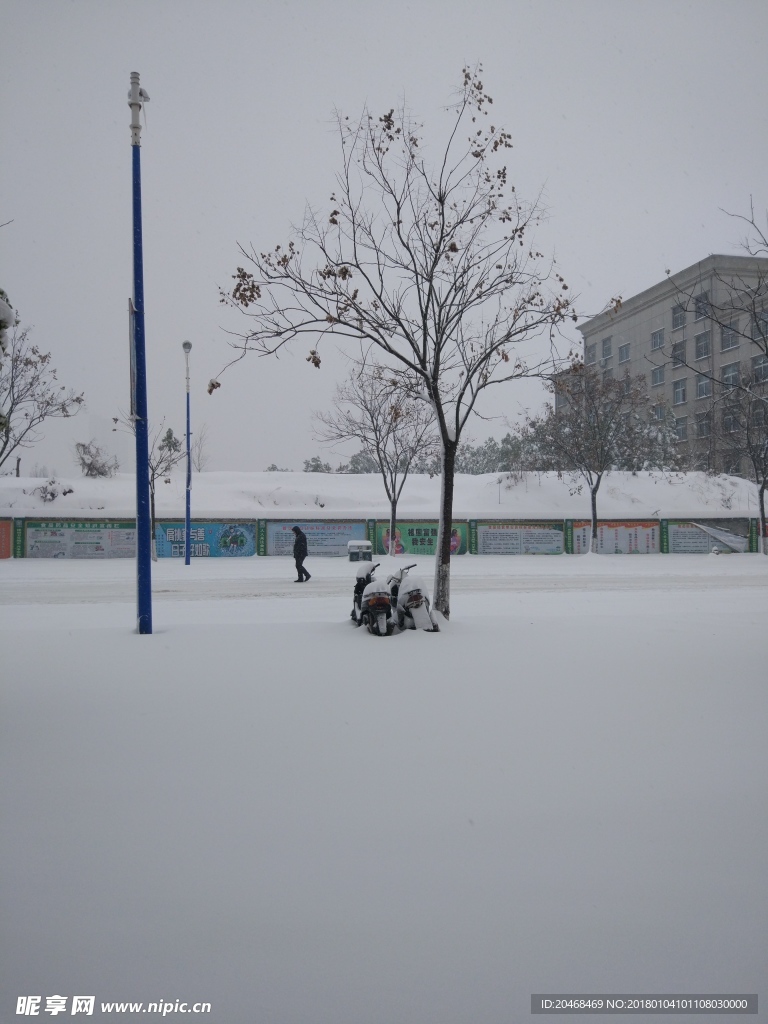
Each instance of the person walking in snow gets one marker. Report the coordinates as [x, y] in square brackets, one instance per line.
[300, 553]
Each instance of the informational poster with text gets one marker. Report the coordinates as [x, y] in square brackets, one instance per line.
[701, 536]
[614, 537]
[519, 538]
[80, 540]
[625, 538]
[323, 538]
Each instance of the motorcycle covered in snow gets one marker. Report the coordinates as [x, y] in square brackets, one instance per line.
[410, 601]
[371, 602]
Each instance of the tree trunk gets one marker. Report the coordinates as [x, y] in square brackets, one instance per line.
[392, 527]
[761, 500]
[442, 599]
[18, 465]
[152, 519]
[593, 496]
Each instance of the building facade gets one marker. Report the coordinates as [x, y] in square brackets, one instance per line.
[692, 336]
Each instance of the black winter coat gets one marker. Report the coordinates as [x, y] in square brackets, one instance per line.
[300, 545]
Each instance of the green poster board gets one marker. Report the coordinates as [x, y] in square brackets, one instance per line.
[18, 538]
[473, 536]
[419, 538]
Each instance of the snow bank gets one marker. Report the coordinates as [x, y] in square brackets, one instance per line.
[331, 496]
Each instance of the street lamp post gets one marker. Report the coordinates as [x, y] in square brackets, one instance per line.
[187, 346]
[136, 100]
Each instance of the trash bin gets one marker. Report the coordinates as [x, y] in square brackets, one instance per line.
[360, 550]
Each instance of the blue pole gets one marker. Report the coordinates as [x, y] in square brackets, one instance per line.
[143, 518]
[187, 346]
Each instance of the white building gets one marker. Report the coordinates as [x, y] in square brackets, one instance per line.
[691, 336]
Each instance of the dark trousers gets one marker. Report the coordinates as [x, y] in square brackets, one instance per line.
[301, 572]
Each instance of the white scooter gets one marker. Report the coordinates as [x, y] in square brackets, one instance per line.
[371, 603]
[410, 601]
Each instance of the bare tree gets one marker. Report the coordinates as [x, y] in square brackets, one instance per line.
[393, 428]
[30, 394]
[598, 424]
[199, 448]
[165, 452]
[432, 261]
[94, 461]
[748, 296]
[734, 300]
[359, 463]
[316, 465]
[7, 320]
[740, 432]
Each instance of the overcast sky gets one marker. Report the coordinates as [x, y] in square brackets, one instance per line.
[639, 120]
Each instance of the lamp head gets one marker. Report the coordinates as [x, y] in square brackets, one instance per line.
[187, 346]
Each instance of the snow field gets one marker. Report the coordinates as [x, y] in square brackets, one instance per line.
[261, 807]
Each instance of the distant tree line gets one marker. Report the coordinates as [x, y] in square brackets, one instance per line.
[521, 451]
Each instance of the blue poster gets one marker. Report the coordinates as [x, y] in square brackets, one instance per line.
[207, 540]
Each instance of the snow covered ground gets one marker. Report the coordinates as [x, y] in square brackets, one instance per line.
[263, 808]
[328, 495]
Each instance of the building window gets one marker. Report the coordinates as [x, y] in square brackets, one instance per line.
[703, 344]
[731, 421]
[659, 412]
[759, 414]
[729, 375]
[657, 340]
[657, 376]
[701, 306]
[624, 353]
[678, 353]
[729, 336]
[703, 424]
[760, 328]
[607, 348]
[607, 374]
[678, 391]
[681, 428]
[591, 355]
[678, 317]
[759, 369]
[703, 386]
[732, 465]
